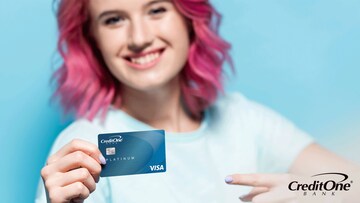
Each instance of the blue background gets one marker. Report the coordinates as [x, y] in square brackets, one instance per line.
[299, 57]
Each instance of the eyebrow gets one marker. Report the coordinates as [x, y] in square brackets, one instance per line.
[155, 2]
[108, 12]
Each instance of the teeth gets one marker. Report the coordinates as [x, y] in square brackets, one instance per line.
[145, 59]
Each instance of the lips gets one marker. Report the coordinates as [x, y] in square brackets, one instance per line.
[144, 60]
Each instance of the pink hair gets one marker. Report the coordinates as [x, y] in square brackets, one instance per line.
[87, 87]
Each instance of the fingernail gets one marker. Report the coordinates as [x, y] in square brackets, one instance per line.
[228, 179]
[102, 159]
[242, 197]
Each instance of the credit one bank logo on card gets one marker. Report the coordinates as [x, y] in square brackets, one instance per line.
[112, 140]
[333, 183]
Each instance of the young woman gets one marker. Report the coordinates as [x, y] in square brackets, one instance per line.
[157, 64]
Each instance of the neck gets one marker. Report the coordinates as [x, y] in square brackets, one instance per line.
[160, 108]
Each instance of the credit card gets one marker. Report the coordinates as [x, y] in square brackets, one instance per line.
[129, 153]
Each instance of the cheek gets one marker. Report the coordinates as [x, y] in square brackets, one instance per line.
[110, 42]
[175, 32]
[182, 47]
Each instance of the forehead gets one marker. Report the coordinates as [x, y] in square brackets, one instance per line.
[98, 6]
[102, 4]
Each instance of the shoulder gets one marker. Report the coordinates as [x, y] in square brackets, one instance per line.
[275, 137]
[235, 103]
[235, 108]
[79, 129]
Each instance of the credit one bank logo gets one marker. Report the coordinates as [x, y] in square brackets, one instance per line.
[334, 183]
[112, 140]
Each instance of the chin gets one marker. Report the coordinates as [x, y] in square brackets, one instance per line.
[150, 85]
[145, 86]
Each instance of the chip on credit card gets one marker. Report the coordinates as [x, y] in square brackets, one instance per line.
[129, 153]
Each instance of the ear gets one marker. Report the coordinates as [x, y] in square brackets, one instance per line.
[92, 37]
[190, 28]
[90, 31]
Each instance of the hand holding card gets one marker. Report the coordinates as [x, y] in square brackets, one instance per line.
[72, 172]
[130, 153]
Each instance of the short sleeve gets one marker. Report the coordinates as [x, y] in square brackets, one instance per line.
[278, 141]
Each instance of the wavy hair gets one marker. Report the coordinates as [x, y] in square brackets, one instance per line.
[86, 87]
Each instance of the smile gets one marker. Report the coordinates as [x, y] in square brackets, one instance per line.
[144, 60]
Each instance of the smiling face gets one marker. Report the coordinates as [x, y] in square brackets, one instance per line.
[144, 43]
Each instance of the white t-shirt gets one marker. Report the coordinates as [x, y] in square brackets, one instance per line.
[236, 136]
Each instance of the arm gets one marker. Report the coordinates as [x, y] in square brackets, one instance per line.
[316, 159]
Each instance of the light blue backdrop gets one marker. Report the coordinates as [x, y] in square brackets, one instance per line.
[300, 57]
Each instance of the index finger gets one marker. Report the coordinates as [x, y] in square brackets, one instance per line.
[78, 145]
[257, 180]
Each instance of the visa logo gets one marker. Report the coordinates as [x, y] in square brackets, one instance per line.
[156, 167]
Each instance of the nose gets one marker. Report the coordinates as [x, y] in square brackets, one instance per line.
[140, 36]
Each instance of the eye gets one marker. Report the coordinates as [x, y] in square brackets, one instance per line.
[113, 20]
[157, 11]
